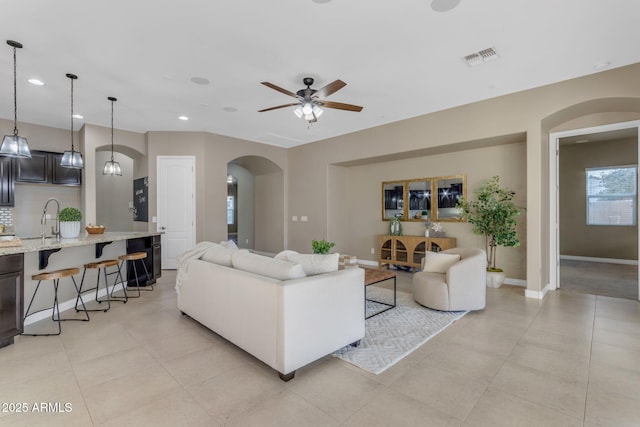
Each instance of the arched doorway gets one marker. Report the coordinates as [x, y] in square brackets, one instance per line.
[255, 203]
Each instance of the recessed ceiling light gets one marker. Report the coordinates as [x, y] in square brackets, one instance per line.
[78, 116]
[230, 109]
[36, 82]
[444, 5]
[183, 118]
[480, 57]
[200, 80]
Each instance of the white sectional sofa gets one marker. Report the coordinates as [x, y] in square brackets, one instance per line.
[269, 307]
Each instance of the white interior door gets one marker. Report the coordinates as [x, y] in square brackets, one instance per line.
[176, 206]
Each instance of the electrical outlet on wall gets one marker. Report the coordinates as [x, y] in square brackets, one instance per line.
[373, 251]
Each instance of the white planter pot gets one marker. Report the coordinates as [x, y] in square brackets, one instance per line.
[69, 229]
[495, 279]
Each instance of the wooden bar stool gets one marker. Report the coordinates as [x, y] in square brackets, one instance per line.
[102, 266]
[133, 257]
[55, 277]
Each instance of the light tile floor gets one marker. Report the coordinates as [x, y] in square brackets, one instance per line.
[570, 360]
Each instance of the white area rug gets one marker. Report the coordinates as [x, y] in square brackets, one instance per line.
[394, 334]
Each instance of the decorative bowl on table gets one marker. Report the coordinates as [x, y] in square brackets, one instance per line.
[95, 229]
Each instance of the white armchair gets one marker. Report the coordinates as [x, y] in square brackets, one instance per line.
[448, 284]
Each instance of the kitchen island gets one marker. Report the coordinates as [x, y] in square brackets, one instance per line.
[35, 255]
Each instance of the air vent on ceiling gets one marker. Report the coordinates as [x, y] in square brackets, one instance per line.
[480, 57]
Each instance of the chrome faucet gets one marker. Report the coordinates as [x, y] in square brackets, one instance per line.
[43, 220]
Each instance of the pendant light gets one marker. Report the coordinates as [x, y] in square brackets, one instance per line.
[15, 145]
[112, 167]
[72, 159]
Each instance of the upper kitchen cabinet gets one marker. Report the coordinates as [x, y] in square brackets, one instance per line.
[6, 181]
[44, 168]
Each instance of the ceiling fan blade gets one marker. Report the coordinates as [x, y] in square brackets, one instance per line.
[279, 89]
[279, 106]
[340, 106]
[330, 88]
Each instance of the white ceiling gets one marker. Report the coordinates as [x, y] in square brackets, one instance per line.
[399, 58]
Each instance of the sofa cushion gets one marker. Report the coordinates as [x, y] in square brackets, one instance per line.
[437, 262]
[266, 266]
[218, 254]
[312, 263]
[229, 244]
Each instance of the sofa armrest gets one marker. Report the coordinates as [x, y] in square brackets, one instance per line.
[466, 280]
[318, 315]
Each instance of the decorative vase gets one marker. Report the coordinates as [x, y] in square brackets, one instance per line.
[495, 279]
[395, 228]
[69, 229]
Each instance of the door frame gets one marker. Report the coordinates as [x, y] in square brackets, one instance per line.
[159, 219]
[554, 184]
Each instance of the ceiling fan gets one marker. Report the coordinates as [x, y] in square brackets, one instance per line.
[309, 102]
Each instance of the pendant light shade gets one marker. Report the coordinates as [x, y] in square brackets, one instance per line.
[15, 145]
[72, 159]
[111, 167]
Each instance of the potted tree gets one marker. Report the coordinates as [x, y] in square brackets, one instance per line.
[70, 222]
[493, 215]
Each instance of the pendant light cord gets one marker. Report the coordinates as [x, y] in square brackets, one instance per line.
[15, 95]
[112, 131]
[72, 149]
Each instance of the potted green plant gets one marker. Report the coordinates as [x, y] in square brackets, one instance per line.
[321, 246]
[493, 215]
[69, 219]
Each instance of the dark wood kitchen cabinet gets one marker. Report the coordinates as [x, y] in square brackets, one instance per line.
[11, 296]
[44, 168]
[7, 178]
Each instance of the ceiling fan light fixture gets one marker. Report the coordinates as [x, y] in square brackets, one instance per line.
[307, 108]
[317, 111]
[298, 112]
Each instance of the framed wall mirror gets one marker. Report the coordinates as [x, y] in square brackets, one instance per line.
[416, 199]
[450, 189]
[419, 199]
[393, 200]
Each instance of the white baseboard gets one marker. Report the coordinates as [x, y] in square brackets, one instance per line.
[515, 282]
[605, 260]
[537, 294]
[367, 262]
[46, 314]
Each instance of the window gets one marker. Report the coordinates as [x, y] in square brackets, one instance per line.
[612, 195]
[231, 205]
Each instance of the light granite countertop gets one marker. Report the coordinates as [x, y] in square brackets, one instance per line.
[37, 244]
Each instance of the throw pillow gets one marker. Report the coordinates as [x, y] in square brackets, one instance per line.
[219, 255]
[315, 263]
[266, 266]
[437, 262]
[285, 254]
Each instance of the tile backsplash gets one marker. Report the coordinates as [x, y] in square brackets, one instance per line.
[6, 218]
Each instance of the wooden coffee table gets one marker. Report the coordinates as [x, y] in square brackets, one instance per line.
[373, 276]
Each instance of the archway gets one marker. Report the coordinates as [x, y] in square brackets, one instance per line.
[259, 202]
[114, 204]
[601, 115]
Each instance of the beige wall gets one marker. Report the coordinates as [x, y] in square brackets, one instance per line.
[576, 238]
[534, 112]
[213, 153]
[362, 201]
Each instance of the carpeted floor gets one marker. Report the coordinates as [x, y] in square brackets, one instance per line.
[596, 278]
